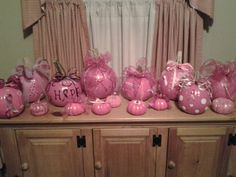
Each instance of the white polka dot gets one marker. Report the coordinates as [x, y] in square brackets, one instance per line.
[191, 105]
[203, 101]
[196, 111]
[181, 98]
[183, 107]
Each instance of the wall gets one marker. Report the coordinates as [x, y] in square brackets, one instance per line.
[219, 43]
[13, 46]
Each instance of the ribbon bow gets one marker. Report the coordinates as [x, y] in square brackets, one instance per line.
[97, 60]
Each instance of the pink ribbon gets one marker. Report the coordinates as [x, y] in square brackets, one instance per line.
[173, 66]
[99, 61]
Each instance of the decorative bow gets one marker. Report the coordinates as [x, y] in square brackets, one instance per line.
[94, 59]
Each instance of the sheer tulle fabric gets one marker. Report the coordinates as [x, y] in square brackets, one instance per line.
[178, 27]
[62, 33]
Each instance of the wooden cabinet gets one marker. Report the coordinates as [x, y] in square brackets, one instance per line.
[198, 152]
[158, 144]
[47, 153]
[130, 152]
[232, 159]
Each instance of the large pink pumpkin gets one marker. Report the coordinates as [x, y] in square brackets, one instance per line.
[99, 81]
[193, 99]
[169, 80]
[33, 88]
[137, 88]
[61, 92]
[223, 105]
[11, 102]
[220, 87]
[34, 81]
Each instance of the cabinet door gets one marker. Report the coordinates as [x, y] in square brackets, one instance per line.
[232, 161]
[50, 153]
[198, 152]
[129, 152]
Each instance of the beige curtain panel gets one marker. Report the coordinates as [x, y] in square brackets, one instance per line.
[178, 27]
[62, 33]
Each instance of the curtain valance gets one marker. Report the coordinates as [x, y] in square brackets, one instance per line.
[31, 9]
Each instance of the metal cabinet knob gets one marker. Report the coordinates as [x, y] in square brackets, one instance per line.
[25, 166]
[98, 165]
[171, 165]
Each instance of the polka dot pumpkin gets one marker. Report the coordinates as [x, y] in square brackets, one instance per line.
[193, 99]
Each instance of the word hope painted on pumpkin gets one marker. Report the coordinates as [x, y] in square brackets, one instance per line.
[63, 94]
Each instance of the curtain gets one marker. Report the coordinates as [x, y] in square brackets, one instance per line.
[123, 27]
[178, 27]
[62, 33]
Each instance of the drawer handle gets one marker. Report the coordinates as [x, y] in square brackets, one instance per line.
[171, 164]
[98, 165]
[25, 166]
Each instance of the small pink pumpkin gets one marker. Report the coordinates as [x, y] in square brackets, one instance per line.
[223, 105]
[100, 107]
[114, 100]
[137, 107]
[159, 104]
[74, 109]
[39, 108]
[193, 99]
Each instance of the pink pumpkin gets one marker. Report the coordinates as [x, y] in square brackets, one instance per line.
[194, 99]
[100, 107]
[39, 108]
[34, 81]
[114, 100]
[137, 88]
[11, 101]
[66, 90]
[159, 104]
[99, 80]
[137, 107]
[220, 87]
[169, 81]
[74, 109]
[223, 105]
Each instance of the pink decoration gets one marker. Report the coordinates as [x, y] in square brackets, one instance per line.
[64, 88]
[138, 83]
[222, 78]
[34, 81]
[11, 100]
[74, 109]
[99, 80]
[100, 107]
[169, 81]
[223, 105]
[137, 107]
[114, 100]
[39, 108]
[194, 98]
[160, 103]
